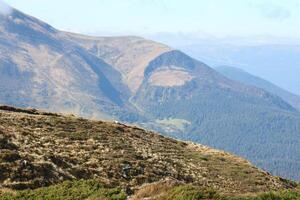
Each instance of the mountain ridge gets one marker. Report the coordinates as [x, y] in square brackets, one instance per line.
[117, 48]
[246, 78]
[56, 67]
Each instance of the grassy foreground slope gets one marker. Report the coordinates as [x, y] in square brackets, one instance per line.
[164, 190]
[40, 151]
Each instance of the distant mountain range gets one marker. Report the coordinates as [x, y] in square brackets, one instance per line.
[278, 63]
[249, 79]
[135, 80]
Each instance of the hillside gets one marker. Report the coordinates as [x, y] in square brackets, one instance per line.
[213, 110]
[139, 81]
[184, 98]
[129, 55]
[249, 79]
[39, 68]
[43, 149]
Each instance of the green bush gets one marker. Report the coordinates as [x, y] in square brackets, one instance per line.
[93, 190]
[76, 190]
[188, 192]
[286, 195]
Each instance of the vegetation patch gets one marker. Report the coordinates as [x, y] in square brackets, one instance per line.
[178, 123]
[162, 190]
[76, 190]
[176, 191]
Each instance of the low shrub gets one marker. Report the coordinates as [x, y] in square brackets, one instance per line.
[69, 190]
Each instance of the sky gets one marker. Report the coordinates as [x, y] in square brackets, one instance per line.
[205, 18]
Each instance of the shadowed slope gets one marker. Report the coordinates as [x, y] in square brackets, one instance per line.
[47, 71]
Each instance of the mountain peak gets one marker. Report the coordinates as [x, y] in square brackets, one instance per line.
[16, 22]
[129, 55]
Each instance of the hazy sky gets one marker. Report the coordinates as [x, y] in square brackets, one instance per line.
[219, 18]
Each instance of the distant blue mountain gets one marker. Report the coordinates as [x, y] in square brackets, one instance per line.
[249, 79]
[279, 64]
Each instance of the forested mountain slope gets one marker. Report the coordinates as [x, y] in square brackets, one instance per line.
[216, 111]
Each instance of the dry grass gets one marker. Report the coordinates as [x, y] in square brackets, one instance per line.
[48, 149]
[170, 77]
[154, 190]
